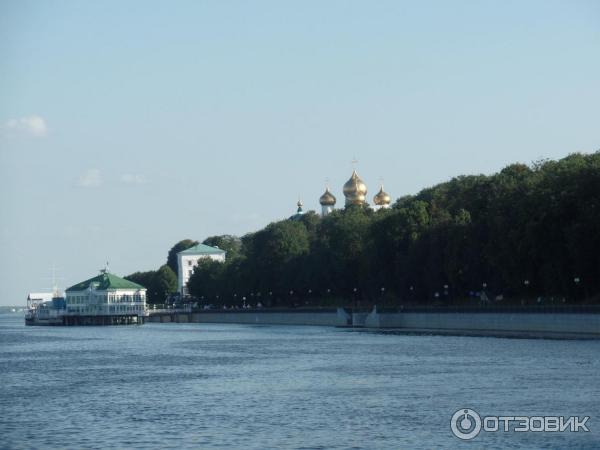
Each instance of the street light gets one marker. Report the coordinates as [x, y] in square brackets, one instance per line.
[576, 280]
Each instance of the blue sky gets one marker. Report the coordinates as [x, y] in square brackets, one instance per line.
[127, 126]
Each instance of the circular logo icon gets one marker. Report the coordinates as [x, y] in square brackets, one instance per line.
[465, 424]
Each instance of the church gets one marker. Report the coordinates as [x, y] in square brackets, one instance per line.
[355, 193]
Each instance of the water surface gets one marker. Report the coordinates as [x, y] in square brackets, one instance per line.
[268, 387]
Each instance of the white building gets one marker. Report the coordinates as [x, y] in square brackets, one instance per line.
[188, 259]
[106, 295]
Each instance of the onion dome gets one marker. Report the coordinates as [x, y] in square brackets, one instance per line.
[382, 198]
[299, 213]
[355, 190]
[327, 199]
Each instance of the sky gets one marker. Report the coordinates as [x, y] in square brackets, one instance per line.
[126, 126]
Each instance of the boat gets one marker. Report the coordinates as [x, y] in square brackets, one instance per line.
[45, 308]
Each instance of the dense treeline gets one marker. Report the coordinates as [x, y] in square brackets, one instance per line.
[524, 232]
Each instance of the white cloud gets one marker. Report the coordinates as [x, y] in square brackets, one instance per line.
[90, 178]
[32, 125]
[133, 178]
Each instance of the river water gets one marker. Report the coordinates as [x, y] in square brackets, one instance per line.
[271, 387]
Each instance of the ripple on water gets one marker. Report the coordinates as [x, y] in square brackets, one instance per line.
[257, 387]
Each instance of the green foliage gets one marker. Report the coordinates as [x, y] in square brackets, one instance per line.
[207, 279]
[166, 280]
[158, 283]
[538, 223]
[231, 244]
[179, 247]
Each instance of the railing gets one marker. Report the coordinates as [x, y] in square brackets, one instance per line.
[168, 309]
[526, 309]
[50, 313]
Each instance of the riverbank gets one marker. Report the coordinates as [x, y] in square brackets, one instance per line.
[552, 324]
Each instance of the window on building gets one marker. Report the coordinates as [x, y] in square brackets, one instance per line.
[190, 262]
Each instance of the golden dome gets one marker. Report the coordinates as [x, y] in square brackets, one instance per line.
[327, 199]
[382, 198]
[355, 190]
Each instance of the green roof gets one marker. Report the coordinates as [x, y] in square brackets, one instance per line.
[202, 249]
[105, 281]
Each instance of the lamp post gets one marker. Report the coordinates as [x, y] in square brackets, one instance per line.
[483, 295]
[576, 280]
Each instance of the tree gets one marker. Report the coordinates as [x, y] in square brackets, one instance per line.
[179, 247]
[207, 278]
[166, 281]
[273, 254]
[158, 283]
[231, 244]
